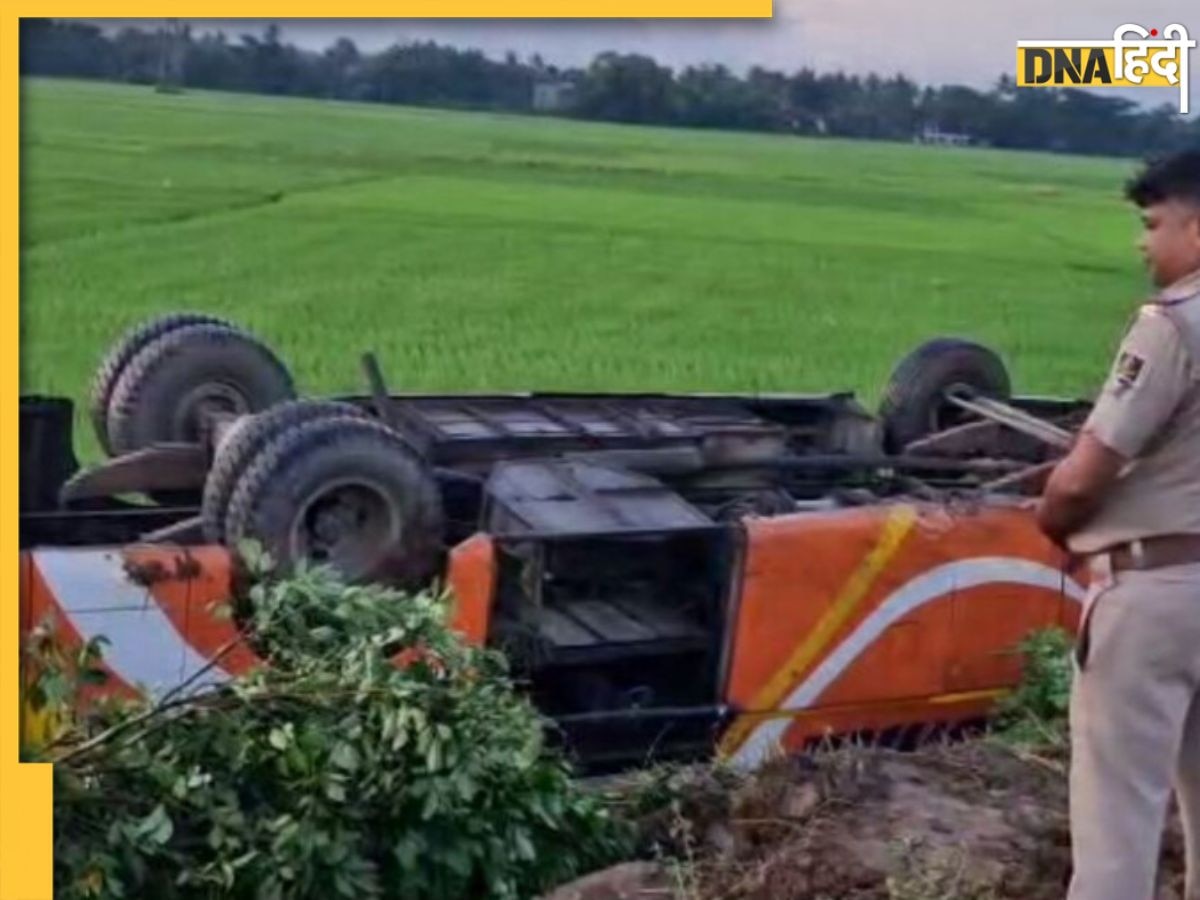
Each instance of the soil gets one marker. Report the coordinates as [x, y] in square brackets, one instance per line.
[974, 820]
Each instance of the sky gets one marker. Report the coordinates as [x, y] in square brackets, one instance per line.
[931, 41]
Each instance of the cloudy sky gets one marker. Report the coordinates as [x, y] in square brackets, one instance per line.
[931, 41]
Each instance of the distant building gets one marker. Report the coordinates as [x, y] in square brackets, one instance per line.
[931, 134]
[553, 96]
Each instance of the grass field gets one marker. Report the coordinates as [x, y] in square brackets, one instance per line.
[477, 251]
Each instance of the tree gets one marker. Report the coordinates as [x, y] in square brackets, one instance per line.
[616, 87]
[173, 39]
[271, 64]
[958, 109]
[65, 48]
[342, 66]
[627, 88]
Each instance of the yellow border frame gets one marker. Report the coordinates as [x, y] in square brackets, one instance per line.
[25, 790]
[26, 809]
[26, 797]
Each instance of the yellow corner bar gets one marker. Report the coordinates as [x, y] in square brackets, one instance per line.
[432, 9]
[26, 800]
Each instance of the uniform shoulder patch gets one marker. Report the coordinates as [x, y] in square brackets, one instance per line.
[1129, 369]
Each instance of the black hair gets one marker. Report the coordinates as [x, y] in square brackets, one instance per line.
[1174, 177]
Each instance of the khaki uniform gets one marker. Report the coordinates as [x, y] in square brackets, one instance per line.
[1135, 706]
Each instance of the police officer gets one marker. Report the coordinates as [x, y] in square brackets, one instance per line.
[1127, 498]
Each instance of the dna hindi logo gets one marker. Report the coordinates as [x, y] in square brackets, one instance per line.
[1134, 57]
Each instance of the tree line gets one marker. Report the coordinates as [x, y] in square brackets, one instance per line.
[613, 87]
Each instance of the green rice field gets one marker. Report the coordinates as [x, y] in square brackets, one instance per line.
[475, 251]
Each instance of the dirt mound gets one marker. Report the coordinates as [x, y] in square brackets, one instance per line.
[967, 821]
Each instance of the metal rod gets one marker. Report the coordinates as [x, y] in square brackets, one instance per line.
[1028, 477]
[649, 712]
[387, 409]
[1014, 418]
[188, 531]
[503, 538]
[953, 438]
[819, 462]
[379, 393]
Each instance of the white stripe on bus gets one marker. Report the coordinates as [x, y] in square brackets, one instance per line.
[145, 649]
[919, 591]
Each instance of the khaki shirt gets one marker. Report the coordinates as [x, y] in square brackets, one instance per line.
[1149, 412]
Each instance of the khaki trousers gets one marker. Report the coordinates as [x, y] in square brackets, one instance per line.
[1135, 731]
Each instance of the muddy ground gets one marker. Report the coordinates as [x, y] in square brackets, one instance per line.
[968, 821]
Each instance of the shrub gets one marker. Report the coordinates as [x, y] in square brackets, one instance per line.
[1037, 711]
[330, 772]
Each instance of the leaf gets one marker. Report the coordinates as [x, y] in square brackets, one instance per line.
[222, 611]
[92, 881]
[93, 650]
[245, 859]
[257, 561]
[524, 846]
[93, 677]
[466, 787]
[279, 739]
[36, 697]
[429, 810]
[345, 757]
[343, 886]
[434, 755]
[406, 852]
[157, 827]
[459, 862]
[55, 688]
[401, 738]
